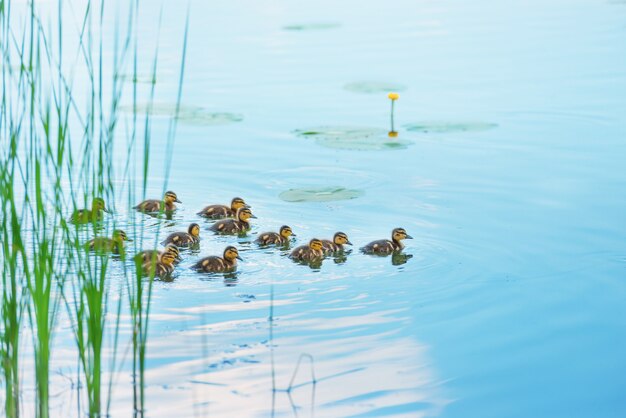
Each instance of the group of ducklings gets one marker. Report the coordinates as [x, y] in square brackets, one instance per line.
[231, 220]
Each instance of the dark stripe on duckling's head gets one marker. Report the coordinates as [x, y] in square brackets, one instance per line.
[341, 238]
[168, 258]
[237, 203]
[230, 253]
[243, 214]
[121, 235]
[170, 196]
[316, 244]
[172, 249]
[194, 230]
[98, 204]
[286, 231]
[400, 234]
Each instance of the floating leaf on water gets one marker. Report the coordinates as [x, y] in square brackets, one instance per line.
[187, 114]
[353, 138]
[321, 194]
[371, 87]
[312, 26]
[449, 127]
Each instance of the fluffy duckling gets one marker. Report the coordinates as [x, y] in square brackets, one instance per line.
[336, 245]
[276, 238]
[234, 226]
[114, 244]
[155, 205]
[385, 246]
[149, 255]
[313, 251]
[223, 211]
[184, 239]
[95, 214]
[161, 268]
[215, 264]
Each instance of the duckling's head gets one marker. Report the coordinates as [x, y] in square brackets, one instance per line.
[167, 258]
[98, 204]
[243, 214]
[316, 244]
[170, 197]
[237, 203]
[341, 238]
[399, 234]
[119, 235]
[194, 230]
[286, 232]
[231, 253]
[172, 249]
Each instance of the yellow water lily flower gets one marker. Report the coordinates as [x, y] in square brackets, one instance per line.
[393, 96]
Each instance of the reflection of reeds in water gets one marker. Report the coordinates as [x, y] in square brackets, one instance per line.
[58, 154]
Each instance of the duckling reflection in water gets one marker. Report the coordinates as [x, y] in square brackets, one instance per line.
[149, 255]
[95, 214]
[385, 246]
[281, 238]
[156, 205]
[215, 264]
[161, 268]
[104, 245]
[234, 226]
[336, 245]
[184, 239]
[223, 211]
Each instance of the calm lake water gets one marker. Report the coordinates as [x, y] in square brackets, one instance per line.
[508, 169]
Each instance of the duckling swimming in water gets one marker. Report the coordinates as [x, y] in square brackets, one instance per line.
[85, 216]
[114, 244]
[215, 264]
[312, 252]
[385, 246]
[149, 255]
[223, 211]
[184, 239]
[155, 205]
[336, 245]
[160, 268]
[276, 238]
[234, 226]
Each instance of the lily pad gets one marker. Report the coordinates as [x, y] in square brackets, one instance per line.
[312, 26]
[353, 138]
[321, 194]
[371, 87]
[449, 127]
[188, 114]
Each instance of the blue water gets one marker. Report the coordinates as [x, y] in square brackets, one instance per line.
[508, 169]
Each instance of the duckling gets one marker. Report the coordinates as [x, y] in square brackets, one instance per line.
[85, 216]
[155, 205]
[184, 239]
[161, 268]
[336, 245]
[234, 226]
[276, 238]
[385, 246]
[149, 255]
[215, 264]
[222, 211]
[312, 252]
[114, 244]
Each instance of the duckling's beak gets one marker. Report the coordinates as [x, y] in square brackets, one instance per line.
[106, 210]
[293, 235]
[247, 206]
[348, 242]
[239, 258]
[408, 236]
[253, 216]
[128, 239]
[177, 201]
